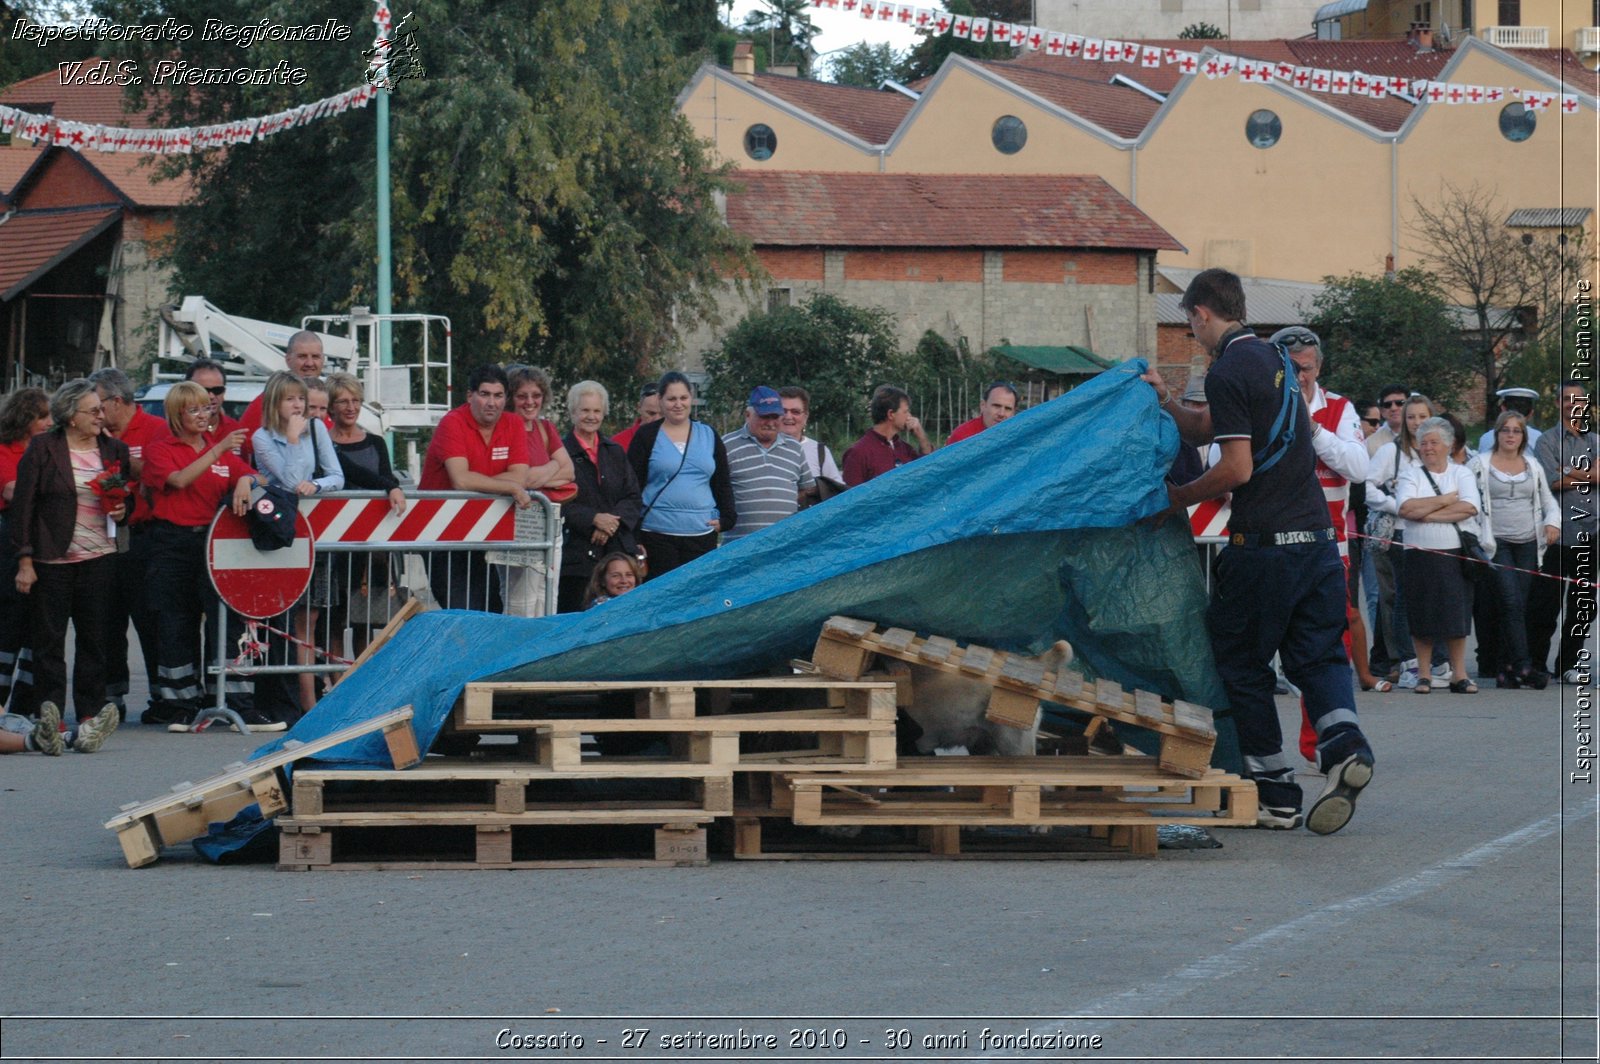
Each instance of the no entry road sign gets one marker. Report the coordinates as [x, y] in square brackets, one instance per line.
[257, 584]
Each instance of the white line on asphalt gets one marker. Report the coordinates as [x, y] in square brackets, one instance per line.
[1143, 1000]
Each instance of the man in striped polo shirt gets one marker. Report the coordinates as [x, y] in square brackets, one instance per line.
[769, 470]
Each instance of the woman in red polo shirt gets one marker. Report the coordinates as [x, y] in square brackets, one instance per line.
[190, 477]
[25, 414]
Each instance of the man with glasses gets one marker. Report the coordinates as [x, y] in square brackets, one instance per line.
[999, 403]
[796, 415]
[125, 420]
[1517, 400]
[476, 447]
[208, 374]
[1391, 404]
[1280, 586]
[1568, 454]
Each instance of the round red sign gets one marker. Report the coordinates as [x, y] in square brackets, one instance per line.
[255, 583]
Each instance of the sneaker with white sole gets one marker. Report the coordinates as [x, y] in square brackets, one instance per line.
[46, 734]
[93, 734]
[1408, 679]
[1346, 780]
[1275, 818]
[1442, 674]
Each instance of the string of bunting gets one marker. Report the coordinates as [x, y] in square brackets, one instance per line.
[185, 140]
[1256, 71]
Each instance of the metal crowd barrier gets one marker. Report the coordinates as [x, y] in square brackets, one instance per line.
[451, 549]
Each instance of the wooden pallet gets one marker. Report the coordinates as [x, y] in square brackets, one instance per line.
[850, 725]
[763, 838]
[144, 827]
[355, 845]
[1053, 791]
[847, 646]
[458, 792]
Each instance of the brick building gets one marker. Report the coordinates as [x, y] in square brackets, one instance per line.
[1024, 259]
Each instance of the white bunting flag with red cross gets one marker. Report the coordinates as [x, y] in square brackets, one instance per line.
[979, 33]
[1019, 34]
[906, 15]
[1454, 94]
[1339, 84]
[1494, 94]
[1150, 57]
[1034, 40]
[886, 12]
[1188, 62]
[868, 9]
[1569, 103]
[941, 23]
[10, 119]
[1072, 48]
[1055, 43]
[961, 28]
[1000, 32]
[1475, 94]
[1110, 52]
[1284, 71]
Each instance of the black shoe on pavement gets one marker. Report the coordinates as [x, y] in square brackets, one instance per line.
[1346, 780]
[258, 721]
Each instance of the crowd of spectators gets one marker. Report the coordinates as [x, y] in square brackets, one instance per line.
[654, 496]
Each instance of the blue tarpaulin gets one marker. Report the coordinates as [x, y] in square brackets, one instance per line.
[1021, 535]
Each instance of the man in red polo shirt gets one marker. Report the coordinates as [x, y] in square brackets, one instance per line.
[649, 410]
[128, 422]
[477, 447]
[208, 374]
[999, 403]
[883, 447]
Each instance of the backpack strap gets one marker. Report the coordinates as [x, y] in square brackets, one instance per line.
[1283, 427]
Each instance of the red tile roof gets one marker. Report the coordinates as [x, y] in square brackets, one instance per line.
[14, 162]
[789, 209]
[101, 104]
[137, 177]
[1115, 108]
[1563, 64]
[1162, 78]
[867, 113]
[32, 243]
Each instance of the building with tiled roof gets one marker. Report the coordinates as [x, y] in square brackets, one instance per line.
[1140, 19]
[44, 94]
[77, 277]
[1265, 179]
[1027, 259]
[1524, 26]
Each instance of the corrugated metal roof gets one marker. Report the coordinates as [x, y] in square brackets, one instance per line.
[1067, 360]
[1339, 9]
[1267, 300]
[32, 243]
[1548, 217]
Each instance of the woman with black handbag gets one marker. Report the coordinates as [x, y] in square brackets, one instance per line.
[1437, 499]
[603, 517]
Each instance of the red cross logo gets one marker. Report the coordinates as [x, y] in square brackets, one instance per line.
[1285, 71]
[1359, 84]
[1170, 55]
[942, 25]
[1227, 67]
[1569, 104]
[1091, 50]
[1035, 40]
[924, 16]
[1320, 82]
[1187, 64]
[1019, 33]
[1074, 46]
[885, 12]
[1152, 58]
[1436, 92]
[849, 5]
[1212, 68]
[962, 28]
[122, 141]
[980, 32]
[77, 137]
[1302, 78]
[1397, 84]
[1341, 83]
[907, 14]
[869, 9]
[1454, 94]
[1130, 52]
[1055, 46]
[1475, 94]
[1494, 95]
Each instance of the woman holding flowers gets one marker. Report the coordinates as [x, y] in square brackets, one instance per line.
[71, 495]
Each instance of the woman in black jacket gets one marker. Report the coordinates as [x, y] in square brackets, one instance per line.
[65, 536]
[604, 516]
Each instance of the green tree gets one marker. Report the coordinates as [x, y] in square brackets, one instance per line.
[1516, 287]
[547, 197]
[786, 30]
[928, 55]
[837, 350]
[21, 58]
[1379, 330]
[1202, 31]
[864, 64]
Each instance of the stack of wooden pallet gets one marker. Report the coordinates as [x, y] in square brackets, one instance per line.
[635, 772]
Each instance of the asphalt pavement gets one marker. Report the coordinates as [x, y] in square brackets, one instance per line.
[1453, 919]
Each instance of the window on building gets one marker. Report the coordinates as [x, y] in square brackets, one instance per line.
[1263, 128]
[760, 141]
[1516, 122]
[778, 298]
[1510, 13]
[1171, 7]
[1008, 134]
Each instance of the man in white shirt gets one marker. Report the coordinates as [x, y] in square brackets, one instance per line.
[1521, 400]
[796, 414]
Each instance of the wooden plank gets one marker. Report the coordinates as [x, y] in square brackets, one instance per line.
[1148, 705]
[1022, 671]
[303, 848]
[140, 842]
[1196, 718]
[1185, 756]
[1068, 685]
[1014, 709]
[846, 661]
[643, 814]
[510, 796]
[977, 660]
[411, 608]
[848, 627]
[401, 739]
[493, 845]
[747, 836]
[681, 846]
[670, 703]
[937, 648]
[1108, 695]
[897, 640]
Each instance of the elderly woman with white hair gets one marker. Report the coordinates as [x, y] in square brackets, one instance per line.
[1438, 499]
[603, 517]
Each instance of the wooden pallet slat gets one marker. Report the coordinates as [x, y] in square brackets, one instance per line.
[344, 847]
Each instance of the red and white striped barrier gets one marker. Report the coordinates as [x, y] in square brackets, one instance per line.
[465, 520]
[1209, 520]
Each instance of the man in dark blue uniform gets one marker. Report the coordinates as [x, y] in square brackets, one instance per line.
[1280, 585]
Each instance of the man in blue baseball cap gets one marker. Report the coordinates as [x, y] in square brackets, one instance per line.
[769, 470]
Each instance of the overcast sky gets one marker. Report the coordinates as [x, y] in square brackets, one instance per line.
[840, 30]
